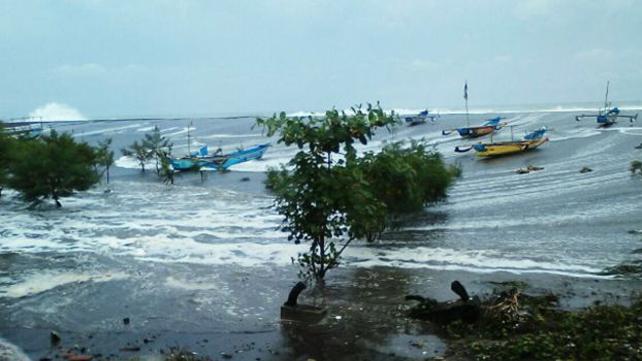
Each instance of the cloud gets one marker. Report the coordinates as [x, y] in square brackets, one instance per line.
[56, 112]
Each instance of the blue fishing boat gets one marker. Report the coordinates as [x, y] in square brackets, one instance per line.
[488, 127]
[608, 115]
[218, 160]
[421, 118]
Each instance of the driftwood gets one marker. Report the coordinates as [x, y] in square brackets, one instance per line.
[465, 309]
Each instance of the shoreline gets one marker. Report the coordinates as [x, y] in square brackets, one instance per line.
[366, 316]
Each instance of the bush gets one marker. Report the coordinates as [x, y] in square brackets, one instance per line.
[406, 179]
[52, 166]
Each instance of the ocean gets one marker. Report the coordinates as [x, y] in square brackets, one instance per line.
[204, 256]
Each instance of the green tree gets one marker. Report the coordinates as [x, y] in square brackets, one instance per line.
[166, 173]
[158, 146]
[328, 194]
[52, 166]
[139, 152]
[5, 157]
[105, 156]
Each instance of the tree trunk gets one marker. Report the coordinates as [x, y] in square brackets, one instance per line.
[107, 175]
[294, 294]
[322, 269]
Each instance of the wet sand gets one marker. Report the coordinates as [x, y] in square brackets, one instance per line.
[365, 320]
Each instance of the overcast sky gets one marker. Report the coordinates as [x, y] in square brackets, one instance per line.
[144, 57]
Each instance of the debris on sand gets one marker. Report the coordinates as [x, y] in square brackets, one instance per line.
[528, 169]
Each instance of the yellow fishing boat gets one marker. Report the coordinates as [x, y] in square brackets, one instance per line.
[530, 142]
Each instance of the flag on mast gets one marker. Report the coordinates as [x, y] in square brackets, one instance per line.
[466, 90]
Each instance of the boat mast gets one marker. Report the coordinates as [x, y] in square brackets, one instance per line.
[466, 98]
[606, 98]
[189, 140]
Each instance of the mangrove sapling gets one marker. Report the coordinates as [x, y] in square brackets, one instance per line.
[52, 166]
[166, 173]
[139, 152]
[105, 156]
[328, 194]
[158, 146]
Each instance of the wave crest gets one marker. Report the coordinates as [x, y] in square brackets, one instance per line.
[53, 111]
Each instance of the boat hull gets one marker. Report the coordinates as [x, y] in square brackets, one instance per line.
[475, 132]
[220, 162]
[500, 149]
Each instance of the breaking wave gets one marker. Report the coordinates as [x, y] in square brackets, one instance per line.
[52, 112]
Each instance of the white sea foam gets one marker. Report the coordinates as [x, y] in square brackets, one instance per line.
[37, 283]
[106, 130]
[132, 163]
[53, 111]
[224, 136]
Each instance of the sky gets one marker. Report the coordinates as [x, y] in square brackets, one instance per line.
[100, 58]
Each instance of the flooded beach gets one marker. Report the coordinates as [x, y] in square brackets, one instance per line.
[201, 264]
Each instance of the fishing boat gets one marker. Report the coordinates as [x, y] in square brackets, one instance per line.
[493, 149]
[608, 115]
[488, 127]
[219, 160]
[421, 118]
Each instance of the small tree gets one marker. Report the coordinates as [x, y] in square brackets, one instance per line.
[105, 156]
[328, 194]
[325, 195]
[52, 166]
[636, 165]
[158, 146]
[139, 152]
[166, 171]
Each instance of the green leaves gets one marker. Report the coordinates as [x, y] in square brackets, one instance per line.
[105, 156]
[52, 166]
[153, 146]
[408, 178]
[6, 142]
[328, 195]
[139, 152]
